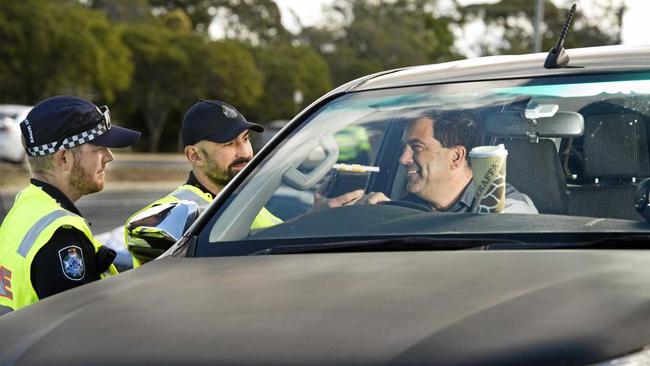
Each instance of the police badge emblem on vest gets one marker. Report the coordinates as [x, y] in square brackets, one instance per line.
[72, 262]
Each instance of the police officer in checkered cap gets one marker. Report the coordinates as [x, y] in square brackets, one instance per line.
[46, 246]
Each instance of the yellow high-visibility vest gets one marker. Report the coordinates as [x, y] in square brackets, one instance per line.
[352, 141]
[188, 192]
[28, 226]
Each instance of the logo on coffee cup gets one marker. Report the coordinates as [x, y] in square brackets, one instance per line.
[489, 171]
[491, 188]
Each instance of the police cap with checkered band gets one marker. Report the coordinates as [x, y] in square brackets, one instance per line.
[63, 122]
[215, 121]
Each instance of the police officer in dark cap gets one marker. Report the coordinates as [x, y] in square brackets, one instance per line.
[216, 142]
[46, 245]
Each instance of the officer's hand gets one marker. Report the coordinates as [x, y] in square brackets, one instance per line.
[350, 198]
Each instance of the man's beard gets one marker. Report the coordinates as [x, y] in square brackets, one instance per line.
[219, 176]
[83, 181]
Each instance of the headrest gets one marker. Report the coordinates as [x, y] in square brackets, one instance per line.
[535, 169]
[615, 146]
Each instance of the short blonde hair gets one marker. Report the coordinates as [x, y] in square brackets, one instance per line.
[40, 166]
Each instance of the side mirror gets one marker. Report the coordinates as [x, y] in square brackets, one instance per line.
[151, 232]
[641, 199]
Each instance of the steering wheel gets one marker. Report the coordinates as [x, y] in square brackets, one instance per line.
[406, 204]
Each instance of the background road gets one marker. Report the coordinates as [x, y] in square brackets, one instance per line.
[133, 181]
[109, 209]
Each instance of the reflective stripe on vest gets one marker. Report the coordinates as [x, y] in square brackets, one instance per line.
[39, 226]
[186, 194]
[28, 227]
[189, 193]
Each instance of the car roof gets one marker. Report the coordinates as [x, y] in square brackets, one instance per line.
[583, 60]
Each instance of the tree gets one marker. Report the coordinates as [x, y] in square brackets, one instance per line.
[232, 75]
[155, 90]
[57, 47]
[254, 21]
[173, 69]
[369, 36]
[509, 24]
[289, 71]
[123, 10]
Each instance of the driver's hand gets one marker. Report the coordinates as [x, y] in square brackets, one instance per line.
[350, 198]
[373, 198]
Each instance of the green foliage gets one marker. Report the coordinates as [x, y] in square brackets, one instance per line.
[514, 18]
[52, 47]
[233, 75]
[288, 70]
[178, 21]
[255, 21]
[380, 35]
[155, 91]
[174, 69]
[123, 10]
[151, 59]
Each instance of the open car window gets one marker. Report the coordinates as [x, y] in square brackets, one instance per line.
[577, 149]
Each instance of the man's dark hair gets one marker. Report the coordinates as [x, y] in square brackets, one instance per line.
[455, 128]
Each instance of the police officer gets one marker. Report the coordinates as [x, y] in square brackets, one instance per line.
[46, 245]
[216, 142]
[354, 145]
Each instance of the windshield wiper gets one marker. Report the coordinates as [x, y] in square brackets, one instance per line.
[395, 244]
[634, 241]
[425, 243]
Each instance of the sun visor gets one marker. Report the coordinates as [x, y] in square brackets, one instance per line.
[515, 124]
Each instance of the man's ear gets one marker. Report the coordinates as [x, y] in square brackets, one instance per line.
[458, 157]
[64, 159]
[192, 154]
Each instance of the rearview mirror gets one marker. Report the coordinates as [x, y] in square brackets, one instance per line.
[515, 124]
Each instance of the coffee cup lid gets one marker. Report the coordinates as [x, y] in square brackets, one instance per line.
[488, 151]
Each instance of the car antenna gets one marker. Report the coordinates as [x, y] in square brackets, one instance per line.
[557, 57]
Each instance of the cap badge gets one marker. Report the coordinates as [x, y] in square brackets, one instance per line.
[229, 112]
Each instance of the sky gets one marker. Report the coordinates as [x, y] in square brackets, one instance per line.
[634, 30]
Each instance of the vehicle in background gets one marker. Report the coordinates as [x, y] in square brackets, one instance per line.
[258, 140]
[11, 148]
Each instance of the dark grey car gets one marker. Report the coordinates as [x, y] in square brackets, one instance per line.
[395, 283]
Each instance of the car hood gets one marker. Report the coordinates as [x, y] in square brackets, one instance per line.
[446, 308]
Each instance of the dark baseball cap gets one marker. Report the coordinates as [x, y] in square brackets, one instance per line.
[65, 121]
[214, 121]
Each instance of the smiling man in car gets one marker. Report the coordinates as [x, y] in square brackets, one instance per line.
[435, 153]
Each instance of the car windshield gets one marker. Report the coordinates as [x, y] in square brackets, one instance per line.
[577, 147]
